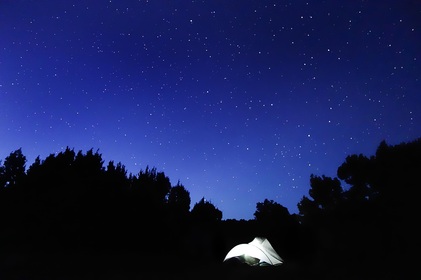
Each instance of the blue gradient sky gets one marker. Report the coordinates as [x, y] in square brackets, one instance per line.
[238, 100]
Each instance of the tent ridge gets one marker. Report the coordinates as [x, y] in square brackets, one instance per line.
[257, 252]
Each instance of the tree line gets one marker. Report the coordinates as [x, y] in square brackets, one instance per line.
[366, 217]
[70, 200]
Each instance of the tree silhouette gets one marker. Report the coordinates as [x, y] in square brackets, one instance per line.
[270, 211]
[13, 170]
[153, 185]
[373, 221]
[326, 192]
[70, 201]
[88, 166]
[357, 171]
[179, 201]
[205, 212]
[326, 196]
[276, 223]
[54, 171]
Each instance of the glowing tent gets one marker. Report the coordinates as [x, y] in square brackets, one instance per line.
[258, 252]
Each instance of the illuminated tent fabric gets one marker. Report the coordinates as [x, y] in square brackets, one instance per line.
[258, 252]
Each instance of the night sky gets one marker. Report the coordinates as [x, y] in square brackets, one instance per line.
[238, 100]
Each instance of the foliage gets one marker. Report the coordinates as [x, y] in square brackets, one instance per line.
[70, 200]
[205, 212]
[179, 200]
[13, 170]
[376, 209]
[363, 218]
[269, 211]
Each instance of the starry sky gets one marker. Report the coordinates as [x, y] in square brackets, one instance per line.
[238, 100]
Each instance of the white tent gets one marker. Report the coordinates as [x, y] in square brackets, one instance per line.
[258, 252]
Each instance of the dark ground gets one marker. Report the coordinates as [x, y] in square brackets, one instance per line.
[122, 266]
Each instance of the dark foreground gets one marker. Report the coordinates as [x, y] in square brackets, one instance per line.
[90, 266]
[123, 266]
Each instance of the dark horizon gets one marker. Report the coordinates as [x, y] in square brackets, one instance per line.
[69, 206]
